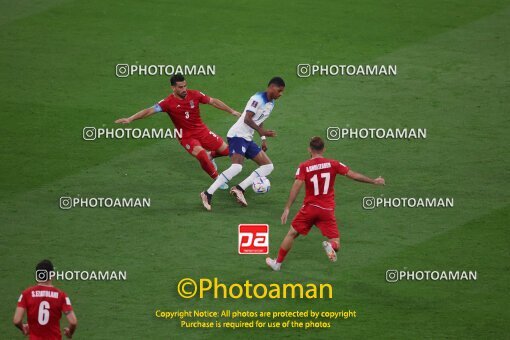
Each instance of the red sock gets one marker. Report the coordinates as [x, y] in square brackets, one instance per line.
[206, 164]
[334, 245]
[215, 154]
[281, 255]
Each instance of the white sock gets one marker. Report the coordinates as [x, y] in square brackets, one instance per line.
[262, 171]
[224, 177]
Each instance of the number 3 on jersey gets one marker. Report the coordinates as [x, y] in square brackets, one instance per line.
[315, 181]
[186, 114]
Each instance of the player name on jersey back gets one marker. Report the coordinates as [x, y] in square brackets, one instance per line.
[45, 293]
[319, 166]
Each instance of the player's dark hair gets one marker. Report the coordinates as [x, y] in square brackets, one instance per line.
[278, 81]
[44, 265]
[316, 144]
[175, 78]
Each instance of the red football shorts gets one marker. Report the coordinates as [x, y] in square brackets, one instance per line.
[206, 139]
[310, 215]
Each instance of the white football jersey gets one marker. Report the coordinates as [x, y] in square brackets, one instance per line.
[258, 104]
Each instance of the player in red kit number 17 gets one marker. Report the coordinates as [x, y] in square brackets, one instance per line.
[183, 109]
[318, 175]
[44, 305]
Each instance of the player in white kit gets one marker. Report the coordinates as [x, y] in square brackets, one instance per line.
[241, 144]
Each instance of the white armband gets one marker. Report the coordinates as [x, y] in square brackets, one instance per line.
[157, 108]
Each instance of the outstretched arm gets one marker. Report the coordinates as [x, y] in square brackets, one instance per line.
[362, 178]
[294, 191]
[139, 115]
[222, 106]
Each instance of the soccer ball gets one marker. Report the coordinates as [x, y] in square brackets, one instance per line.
[261, 185]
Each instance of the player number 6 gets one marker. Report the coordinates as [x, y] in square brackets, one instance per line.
[44, 313]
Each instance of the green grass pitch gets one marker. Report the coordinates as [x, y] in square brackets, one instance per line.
[57, 61]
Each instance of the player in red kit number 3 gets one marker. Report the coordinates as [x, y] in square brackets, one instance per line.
[183, 108]
[318, 174]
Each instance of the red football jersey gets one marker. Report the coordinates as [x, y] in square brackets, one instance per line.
[185, 113]
[44, 306]
[319, 175]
